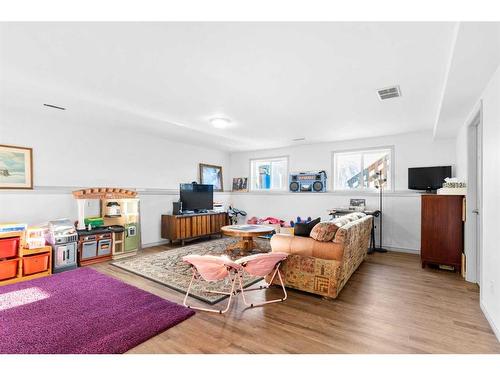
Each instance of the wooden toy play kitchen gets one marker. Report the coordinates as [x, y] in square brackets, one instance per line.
[63, 238]
[115, 233]
[30, 252]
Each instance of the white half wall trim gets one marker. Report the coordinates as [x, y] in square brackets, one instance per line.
[43, 204]
[401, 219]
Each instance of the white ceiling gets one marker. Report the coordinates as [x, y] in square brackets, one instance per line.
[275, 81]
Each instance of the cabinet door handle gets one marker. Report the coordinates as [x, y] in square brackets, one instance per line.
[476, 211]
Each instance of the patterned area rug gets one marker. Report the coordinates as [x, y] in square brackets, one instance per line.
[167, 268]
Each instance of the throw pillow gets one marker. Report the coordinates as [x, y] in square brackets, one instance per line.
[324, 231]
[356, 215]
[304, 229]
[341, 221]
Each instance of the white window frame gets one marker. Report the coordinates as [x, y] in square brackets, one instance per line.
[362, 151]
[270, 158]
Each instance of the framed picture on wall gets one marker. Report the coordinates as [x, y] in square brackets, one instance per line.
[16, 167]
[211, 175]
[240, 184]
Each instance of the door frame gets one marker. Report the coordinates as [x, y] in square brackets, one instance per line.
[473, 226]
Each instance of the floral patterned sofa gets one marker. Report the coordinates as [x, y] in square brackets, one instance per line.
[324, 267]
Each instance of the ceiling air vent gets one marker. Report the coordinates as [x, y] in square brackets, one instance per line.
[54, 106]
[389, 92]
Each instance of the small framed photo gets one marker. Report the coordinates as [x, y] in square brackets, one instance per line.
[211, 175]
[240, 184]
[358, 203]
[16, 167]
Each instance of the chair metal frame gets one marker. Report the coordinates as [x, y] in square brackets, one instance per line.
[243, 290]
[232, 273]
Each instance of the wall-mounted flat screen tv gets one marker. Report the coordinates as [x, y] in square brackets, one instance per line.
[197, 197]
[427, 178]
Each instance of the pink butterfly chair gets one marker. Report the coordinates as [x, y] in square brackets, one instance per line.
[261, 265]
[212, 268]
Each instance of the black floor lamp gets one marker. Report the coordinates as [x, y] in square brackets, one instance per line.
[379, 184]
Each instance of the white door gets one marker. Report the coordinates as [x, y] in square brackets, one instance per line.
[479, 189]
[474, 199]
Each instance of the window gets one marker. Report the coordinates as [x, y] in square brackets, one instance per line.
[269, 174]
[359, 169]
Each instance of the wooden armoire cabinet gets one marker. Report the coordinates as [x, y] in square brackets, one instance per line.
[442, 235]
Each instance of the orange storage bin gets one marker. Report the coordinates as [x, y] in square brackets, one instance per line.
[9, 247]
[8, 269]
[35, 263]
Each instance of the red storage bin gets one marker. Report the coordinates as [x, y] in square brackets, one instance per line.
[9, 247]
[35, 263]
[8, 269]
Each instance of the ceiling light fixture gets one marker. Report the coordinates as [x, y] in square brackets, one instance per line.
[54, 106]
[220, 122]
[299, 139]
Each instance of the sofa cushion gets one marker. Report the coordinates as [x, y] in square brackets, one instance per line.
[304, 229]
[306, 246]
[324, 231]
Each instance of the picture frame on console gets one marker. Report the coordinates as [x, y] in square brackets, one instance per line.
[211, 175]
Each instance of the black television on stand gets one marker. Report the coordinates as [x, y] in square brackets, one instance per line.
[427, 178]
[197, 197]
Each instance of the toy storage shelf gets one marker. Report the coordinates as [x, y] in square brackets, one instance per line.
[31, 264]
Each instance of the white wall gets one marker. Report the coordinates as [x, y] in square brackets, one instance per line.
[401, 226]
[461, 153]
[69, 155]
[72, 152]
[401, 208]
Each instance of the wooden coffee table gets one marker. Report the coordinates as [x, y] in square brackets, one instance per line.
[246, 233]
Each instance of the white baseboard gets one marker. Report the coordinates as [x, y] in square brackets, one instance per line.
[159, 243]
[495, 329]
[403, 250]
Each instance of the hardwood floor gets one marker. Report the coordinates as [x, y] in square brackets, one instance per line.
[390, 305]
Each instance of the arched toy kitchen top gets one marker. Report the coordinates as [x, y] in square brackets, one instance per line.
[104, 193]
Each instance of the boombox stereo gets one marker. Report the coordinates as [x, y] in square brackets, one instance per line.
[308, 182]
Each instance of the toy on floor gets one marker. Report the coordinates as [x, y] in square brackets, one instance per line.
[299, 220]
[234, 213]
[267, 220]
